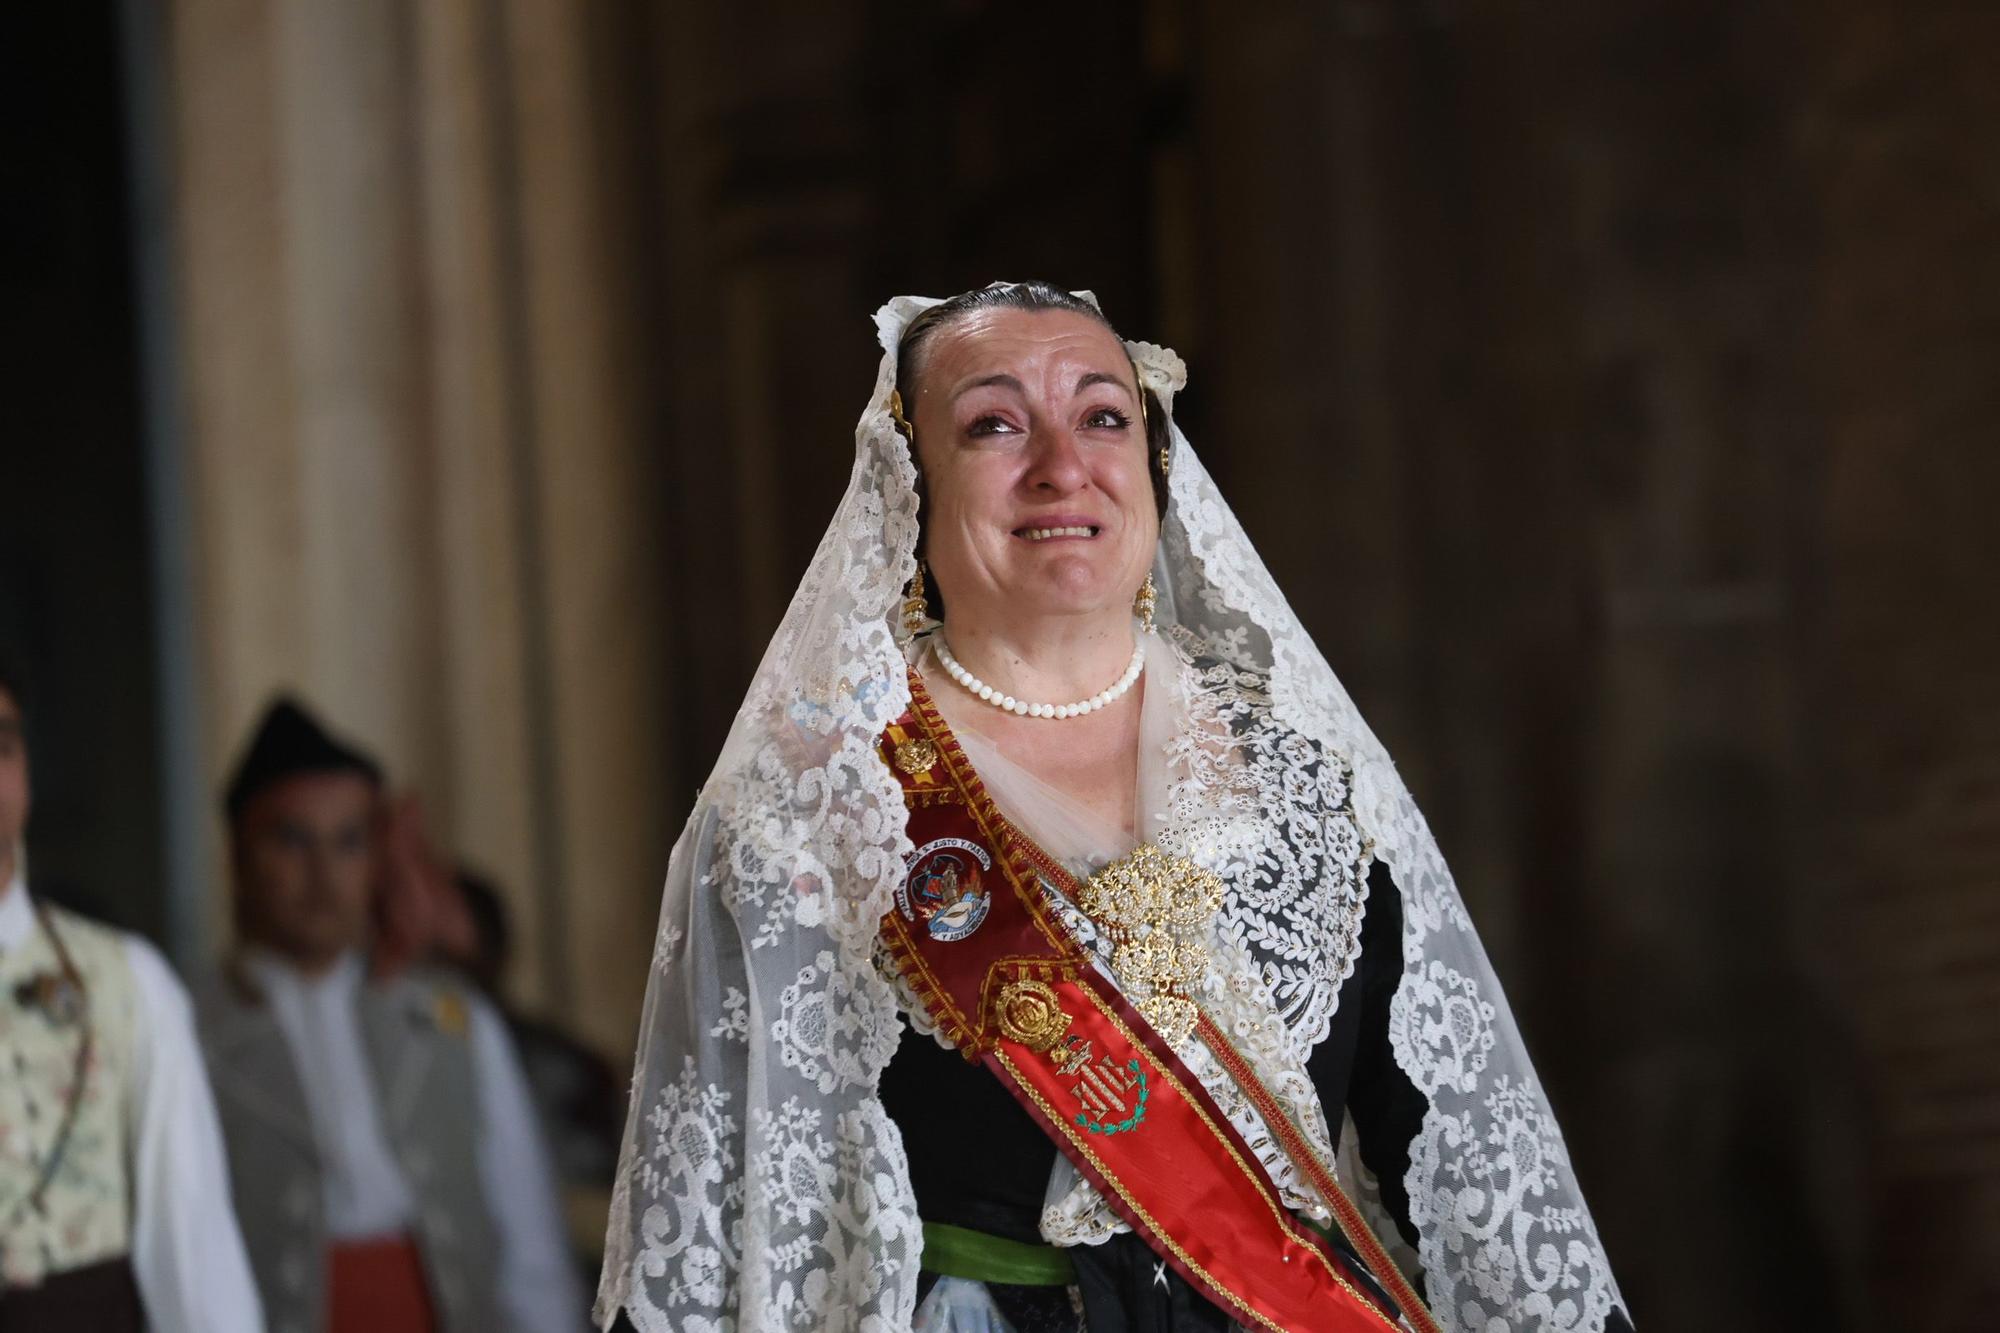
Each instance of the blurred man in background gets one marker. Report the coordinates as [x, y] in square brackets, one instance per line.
[578, 1094]
[388, 1167]
[114, 1203]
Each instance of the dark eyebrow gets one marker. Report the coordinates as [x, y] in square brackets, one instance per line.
[1006, 381]
[1000, 381]
[1099, 377]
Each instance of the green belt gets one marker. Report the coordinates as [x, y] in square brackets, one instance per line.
[951, 1251]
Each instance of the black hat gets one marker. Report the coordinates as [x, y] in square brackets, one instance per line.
[289, 741]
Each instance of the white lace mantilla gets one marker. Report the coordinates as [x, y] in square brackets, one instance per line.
[1268, 812]
[763, 1187]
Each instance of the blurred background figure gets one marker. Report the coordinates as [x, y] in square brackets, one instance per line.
[579, 1096]
[388, 1164]
[114, 1199]
[485, 373]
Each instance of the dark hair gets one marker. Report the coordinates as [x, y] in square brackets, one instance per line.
[999, 296]
[14, 677]
[1011, 296]
[495, 944]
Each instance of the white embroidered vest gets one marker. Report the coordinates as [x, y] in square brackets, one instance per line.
[84, 1213]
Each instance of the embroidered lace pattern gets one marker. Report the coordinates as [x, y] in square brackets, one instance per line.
[762, 1185]
[1268, 814]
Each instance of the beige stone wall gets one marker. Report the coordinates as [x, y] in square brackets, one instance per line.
[421, 499]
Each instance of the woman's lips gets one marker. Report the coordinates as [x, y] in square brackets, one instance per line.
[1080, 531]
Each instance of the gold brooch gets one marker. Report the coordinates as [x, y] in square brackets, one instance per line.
[1156, 910]
[449, 1014]
[916, 755]
[1028, 1013]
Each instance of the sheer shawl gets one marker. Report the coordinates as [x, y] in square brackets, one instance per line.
[762, 1186]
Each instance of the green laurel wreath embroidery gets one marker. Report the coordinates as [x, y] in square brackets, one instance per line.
[1123, 1126]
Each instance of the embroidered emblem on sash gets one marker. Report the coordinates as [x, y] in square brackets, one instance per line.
[1029, 1013]
[1113, 1094]
[945, 890]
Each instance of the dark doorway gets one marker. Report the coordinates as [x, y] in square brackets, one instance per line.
[75, 590]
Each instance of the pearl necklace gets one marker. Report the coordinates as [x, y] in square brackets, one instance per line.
[1022, 707]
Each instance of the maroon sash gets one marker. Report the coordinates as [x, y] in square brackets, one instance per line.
[973, 938]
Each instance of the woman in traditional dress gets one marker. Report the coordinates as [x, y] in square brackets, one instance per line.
[1053, 946]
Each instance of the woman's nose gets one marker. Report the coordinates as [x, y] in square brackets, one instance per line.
[1057, 462]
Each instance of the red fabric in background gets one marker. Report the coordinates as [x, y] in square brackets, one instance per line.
[377, 1286]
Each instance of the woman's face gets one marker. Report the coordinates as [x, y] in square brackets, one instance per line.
[1034, 455]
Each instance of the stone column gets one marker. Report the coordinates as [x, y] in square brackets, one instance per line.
[307, 358]
[487, 686]
[593, 528]
[422, 492]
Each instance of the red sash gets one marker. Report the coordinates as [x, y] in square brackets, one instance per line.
[974, 939]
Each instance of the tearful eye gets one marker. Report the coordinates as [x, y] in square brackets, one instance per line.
[1107, 418]
[989, 425]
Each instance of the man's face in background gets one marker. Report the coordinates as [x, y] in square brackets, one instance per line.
[306, 858]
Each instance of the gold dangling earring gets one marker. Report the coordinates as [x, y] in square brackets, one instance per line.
[916, 607]
[1144, 603]
[903, 426]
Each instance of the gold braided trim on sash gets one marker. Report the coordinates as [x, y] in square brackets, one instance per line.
[948, 780]
[1352, 1224]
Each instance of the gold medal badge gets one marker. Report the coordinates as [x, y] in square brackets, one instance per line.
[1111, 1093]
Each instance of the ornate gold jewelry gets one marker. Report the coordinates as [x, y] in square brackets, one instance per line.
[916, 607]
[916, 755]
[902, 422]
[1029, 1013]
[1166, 460]
[1156, 909]
[1146, 602]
